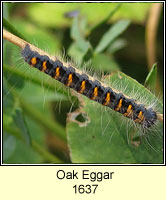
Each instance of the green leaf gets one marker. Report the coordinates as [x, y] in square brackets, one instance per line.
[8, 99]
[111, 34]
[9, 145]
[117, 45]
[75, 32]
[80, 50]
[24, 153]
[105, 135]
[53, 14]
[34, 93]
[12, 29]
[151, 78]
[36, 114]
[104, 63]
[42, 38]
[20, 124]
[106, 19]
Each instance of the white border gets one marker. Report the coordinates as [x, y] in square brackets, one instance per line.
[2, 81]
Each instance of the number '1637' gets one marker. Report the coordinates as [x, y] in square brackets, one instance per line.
[88, 189]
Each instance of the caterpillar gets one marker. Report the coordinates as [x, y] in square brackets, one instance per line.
[93, 89]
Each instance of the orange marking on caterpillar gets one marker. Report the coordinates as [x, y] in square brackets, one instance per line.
[95, 93]
[70, 79]
[33, 61]
[107, 99]
[57, 73]
[82, 87]
[44, 65]
[140, 117]
[119, 105]
[129, 111]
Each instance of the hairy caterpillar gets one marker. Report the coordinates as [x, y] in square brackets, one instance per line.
[91, 88]
[99, 123]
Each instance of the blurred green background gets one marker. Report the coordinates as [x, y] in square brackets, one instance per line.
[103, 37]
